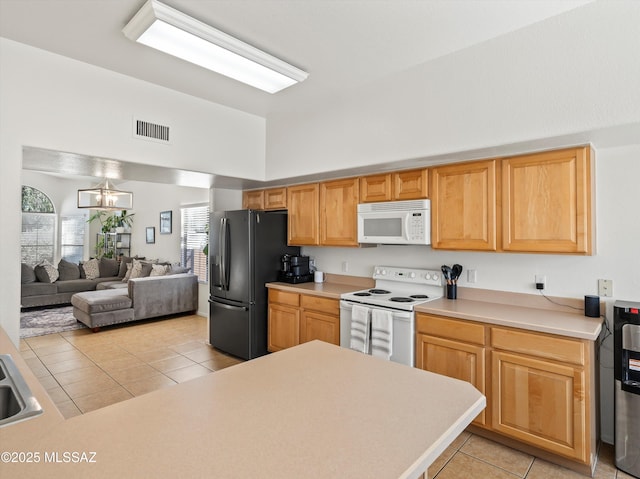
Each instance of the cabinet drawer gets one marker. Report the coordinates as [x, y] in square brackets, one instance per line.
[450, 328]
[540, 345]
[284, 297]
[317, 303]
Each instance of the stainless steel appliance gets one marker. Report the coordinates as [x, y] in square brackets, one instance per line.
[245, 248]
[395, 222]
[626, 353]
[397, 290]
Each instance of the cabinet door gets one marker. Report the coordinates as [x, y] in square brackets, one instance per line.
[411, 185]
[455, 360]
[325, 327]
[540, 403]
[303, 204]
[546, 202]
[375, 188]
[339, 212]
[463, 206]
[275, 199]
[253, 200]
[284, 327]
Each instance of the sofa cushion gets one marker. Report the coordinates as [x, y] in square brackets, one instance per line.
[124, 260]
[140, 269]
[177, 269]
[28, 274]
[46, 272]
[111, 285]
[75, 285]
[36, 289]
[159, 269]
[92, 269]
[68, 271]
[108, 267]
[100, 301]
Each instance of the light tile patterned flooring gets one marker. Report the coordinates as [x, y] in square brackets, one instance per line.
[83, 371]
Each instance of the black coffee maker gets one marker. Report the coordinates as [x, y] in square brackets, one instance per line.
[295, 269]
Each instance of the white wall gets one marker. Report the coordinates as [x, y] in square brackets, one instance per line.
[53, 102]
[572, 73]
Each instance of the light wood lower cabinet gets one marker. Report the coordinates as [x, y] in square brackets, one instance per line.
[540, 387]
[297, 318]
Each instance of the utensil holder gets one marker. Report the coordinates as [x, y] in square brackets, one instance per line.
[452, 291]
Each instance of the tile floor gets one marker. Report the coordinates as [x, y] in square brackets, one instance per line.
[83, 371]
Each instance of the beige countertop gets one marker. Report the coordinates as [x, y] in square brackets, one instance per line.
[571, 324]
[315, 410]
[332, 288]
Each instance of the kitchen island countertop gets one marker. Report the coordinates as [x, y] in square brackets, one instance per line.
[315, 410]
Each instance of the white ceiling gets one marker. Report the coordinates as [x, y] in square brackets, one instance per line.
[342, 44]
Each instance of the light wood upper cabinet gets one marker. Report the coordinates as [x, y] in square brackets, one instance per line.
[303, 218]
[253, 200]
[463, 206]
[399, 185]
[411, 184]
[375, 188]
[275, 199]
[546, 202]
[338, 212]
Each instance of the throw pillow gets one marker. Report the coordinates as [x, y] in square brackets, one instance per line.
[109, 267]
[68, 270]
[159, 270]
[136, 269]
[46, 272]
[128, 273]
[92, 269]
[177, 269]
[28, 274]
[124, 262]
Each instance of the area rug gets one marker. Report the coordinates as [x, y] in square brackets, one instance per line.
[38, 322]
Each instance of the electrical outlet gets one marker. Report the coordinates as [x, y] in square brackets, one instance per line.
[345, 266]
[605, 288]
[541, 281]
[472, 276]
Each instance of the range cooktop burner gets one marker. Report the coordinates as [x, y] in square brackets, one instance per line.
[379, 291]
[362, 293]
[401, 299]
[419, 296]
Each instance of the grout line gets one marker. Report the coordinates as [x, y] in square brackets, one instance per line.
[488, 463]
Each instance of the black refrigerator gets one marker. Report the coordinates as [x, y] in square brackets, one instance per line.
[245, 248]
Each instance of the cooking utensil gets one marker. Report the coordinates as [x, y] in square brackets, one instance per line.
[446, 271]
[456, 272]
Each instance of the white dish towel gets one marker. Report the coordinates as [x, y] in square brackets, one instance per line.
[381, 333]
[360, 325]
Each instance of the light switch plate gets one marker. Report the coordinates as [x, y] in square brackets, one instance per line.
[605, 288]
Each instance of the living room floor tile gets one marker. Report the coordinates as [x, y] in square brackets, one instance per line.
[123, 362]
[89, 386]
[68, 409]
[58, 357]
[49, 382]
[77, 375]
[103, 398]
[143, 386]
[56, 348]
[58, 395]
[36, 366]
[220, 362]
[170, 364]
[190, 372]
[45, 341]
[204, 353]
[134, 373]
[157, 355]
[24, 346]
[188, 346]
[69, 365]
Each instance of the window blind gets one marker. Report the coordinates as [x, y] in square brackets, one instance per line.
[194, 238]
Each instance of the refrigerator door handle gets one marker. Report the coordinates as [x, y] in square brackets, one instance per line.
[230, 306]
[223, 253]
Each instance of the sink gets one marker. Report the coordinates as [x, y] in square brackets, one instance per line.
[17, 402]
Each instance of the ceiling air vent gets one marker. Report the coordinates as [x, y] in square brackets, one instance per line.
[146, 130]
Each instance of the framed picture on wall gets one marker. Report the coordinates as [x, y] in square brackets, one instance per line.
[165, 223]
[151, 234]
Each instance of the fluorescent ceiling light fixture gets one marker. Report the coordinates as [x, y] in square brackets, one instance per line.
[105, 196]
[168, 30]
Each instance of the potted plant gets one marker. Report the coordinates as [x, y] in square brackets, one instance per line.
[123, 221]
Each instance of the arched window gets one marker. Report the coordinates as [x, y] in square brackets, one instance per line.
[38, 227]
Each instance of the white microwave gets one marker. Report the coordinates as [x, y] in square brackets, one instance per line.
[395, 222]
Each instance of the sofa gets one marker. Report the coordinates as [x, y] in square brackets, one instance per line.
[46, 285]
[143, 298]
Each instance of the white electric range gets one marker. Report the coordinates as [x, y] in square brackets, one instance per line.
[397, 290]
